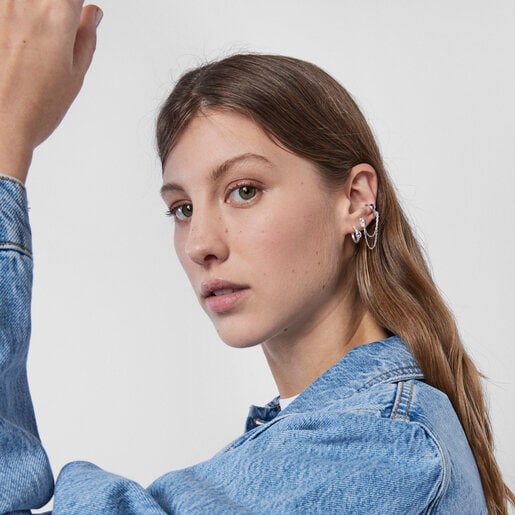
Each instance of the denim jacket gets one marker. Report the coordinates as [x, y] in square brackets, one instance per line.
[369, 436]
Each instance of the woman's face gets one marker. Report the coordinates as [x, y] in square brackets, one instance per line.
[257, 233]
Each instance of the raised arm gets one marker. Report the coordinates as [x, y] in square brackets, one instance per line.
[45, 50]
[25, 475]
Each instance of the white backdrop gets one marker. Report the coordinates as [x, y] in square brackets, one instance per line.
[125, 369]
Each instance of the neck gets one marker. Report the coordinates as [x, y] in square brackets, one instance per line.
[297, 360]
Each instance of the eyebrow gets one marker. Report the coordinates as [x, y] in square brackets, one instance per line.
[218, 172]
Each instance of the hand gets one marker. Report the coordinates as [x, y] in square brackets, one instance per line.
[46, 47]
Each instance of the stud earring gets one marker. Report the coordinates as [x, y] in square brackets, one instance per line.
[356, 236]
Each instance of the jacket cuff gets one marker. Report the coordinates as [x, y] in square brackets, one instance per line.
[14, 218]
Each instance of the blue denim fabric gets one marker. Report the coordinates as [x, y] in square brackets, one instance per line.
[25, 476]
[368, 436]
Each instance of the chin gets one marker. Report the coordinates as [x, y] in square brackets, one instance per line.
[238, 337]
[242, 334]
[237, 340]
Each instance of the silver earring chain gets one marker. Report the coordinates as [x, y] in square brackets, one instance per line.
[371, 238]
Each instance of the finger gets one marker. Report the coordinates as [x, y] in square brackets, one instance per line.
[86, 39]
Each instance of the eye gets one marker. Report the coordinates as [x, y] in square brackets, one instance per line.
[243, 193]
[182, 212]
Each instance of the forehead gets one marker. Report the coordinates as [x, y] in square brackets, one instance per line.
[218, 146]
[213, 137]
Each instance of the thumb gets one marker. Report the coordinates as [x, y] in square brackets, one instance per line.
[86, 39]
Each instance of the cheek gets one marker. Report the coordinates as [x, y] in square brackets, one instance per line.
[300, 243]
[179, 243]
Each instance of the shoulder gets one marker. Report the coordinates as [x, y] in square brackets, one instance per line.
[371, 451]
[398, 442]
[344, 457]
[365, 450]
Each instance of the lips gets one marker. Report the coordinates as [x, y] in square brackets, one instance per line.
[219, 287]
[217, 293]
[222, 296]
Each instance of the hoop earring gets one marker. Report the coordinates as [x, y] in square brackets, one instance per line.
[356, 236]
[371, 236]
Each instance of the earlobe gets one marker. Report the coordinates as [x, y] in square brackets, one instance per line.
[370, 237]
[356, 235]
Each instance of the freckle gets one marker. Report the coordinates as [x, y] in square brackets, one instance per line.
[316, 253]
[319, 262]
[323, 286]
[226, 231]
[285, 330]
[293, 270]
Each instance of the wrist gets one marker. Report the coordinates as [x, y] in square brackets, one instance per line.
[15, 159]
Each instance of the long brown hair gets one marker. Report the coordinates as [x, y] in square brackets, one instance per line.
[307, 111]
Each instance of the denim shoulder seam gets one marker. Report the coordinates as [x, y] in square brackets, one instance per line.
[402, 404]
[445, 469]
[405, 393]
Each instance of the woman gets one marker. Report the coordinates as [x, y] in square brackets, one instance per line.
[292, 237]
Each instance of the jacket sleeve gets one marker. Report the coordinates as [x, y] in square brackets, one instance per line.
[85, 488]
[26, 479]
[25, 475]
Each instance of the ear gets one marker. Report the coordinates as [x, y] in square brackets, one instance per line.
[360, 192]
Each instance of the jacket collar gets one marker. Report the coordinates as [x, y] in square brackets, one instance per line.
[383, 361]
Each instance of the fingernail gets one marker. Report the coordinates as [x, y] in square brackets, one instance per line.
[98, 17]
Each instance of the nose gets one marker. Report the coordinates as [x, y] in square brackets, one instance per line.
[206, 242]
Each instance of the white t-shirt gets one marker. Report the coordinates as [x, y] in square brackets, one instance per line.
[286, 402]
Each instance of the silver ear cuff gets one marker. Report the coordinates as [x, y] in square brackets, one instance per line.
[370, 238]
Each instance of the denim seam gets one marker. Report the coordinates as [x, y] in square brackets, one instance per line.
[12, 179]
[412, 372]
[9, 243]
[398, 400]
[410, 398]
[403, 400]
[444, 476]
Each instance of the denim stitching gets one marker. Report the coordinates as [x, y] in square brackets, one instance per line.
[12, 179]
[411, 370]
[409, 402]
[398, 401]
[9, 243]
